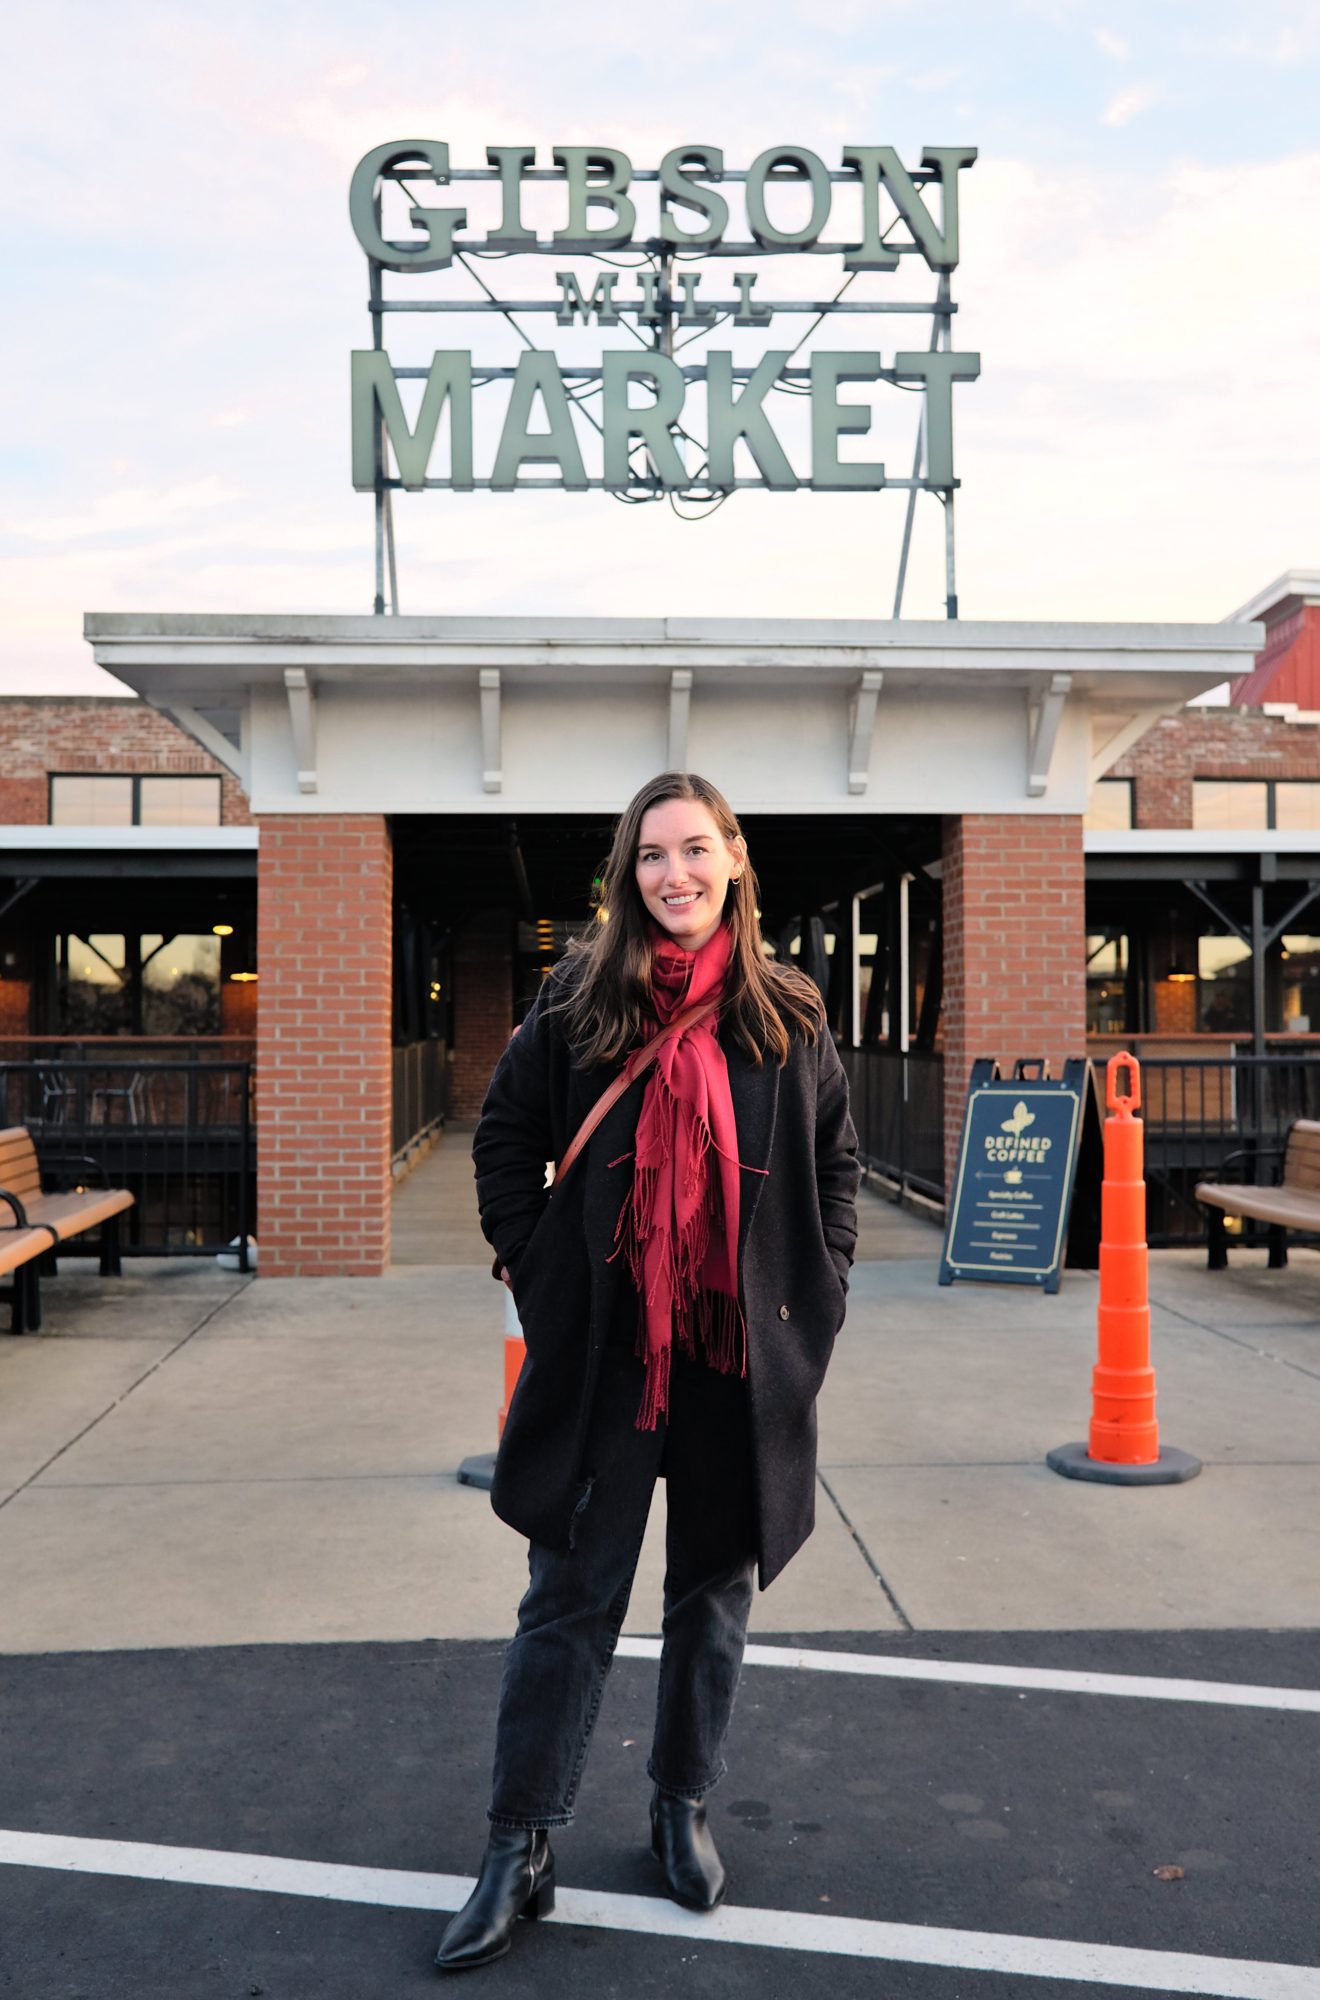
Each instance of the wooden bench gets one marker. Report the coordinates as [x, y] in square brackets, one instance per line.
[1293, 1204]
[42, 1221]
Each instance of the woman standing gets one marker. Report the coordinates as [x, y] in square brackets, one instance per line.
[679, 1297]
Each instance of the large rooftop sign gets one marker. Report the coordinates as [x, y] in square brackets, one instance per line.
[689, 357]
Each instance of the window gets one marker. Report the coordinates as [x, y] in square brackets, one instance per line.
[1106, 982]
[1300, 958]
[1223, 988]
[1110, 809]
[137, 985]
[1297, 805]
[1230, 805]
[91, 801]
[1286, 805]
[96, 799]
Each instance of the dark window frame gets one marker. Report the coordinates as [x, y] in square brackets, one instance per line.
[1270, 784]
[1131, 784]
[135, 779]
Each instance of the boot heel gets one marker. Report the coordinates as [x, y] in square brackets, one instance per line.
[543, 1902]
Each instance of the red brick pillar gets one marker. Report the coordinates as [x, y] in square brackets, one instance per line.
[483, 1008]
[324, 924]
[1014, 948]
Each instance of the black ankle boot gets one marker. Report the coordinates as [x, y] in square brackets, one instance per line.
[682, 1843]
[517, 1879]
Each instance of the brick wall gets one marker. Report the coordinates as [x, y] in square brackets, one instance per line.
[1014, 947]
[324, 896]
[483, 1008]
[40, 734]
[1212, 743]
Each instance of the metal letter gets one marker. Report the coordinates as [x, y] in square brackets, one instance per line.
[601, 301]
[810, 168]
[648, 310]
[538, 374]
[439, 223]
[375, 389]
[748, 314]
[512, 233]
[875, 164]
[690, 313]
[677, 186]
[830, 418]
[624, 421]
[730, 417]
[939, 371]
[616, 168]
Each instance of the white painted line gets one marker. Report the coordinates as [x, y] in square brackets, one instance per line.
[1144, 1687]
[775, 1930]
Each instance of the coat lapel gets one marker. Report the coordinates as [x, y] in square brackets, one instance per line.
[755, 1094]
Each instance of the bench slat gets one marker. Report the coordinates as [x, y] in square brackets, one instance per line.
[20, 1246]
[70, 1214]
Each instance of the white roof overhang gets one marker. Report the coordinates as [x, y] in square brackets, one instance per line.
[328, 714]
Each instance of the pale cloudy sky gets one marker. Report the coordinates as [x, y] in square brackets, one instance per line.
[1140, 274]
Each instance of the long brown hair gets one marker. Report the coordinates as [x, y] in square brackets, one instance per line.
[604, 1009]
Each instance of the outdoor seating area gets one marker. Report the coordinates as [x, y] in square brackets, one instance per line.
[44, 1219]
[1293, 1204]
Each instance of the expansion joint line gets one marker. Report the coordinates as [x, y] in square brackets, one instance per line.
[867, 1557]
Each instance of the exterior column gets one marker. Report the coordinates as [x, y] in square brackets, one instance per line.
[325, 886]
[1014, 948]
[483, 1008]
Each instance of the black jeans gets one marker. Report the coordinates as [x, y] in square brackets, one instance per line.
[568, 1622]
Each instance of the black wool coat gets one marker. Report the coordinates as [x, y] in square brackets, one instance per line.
[796, 1237]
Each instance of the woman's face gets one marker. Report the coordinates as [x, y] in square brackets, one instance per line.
[683, 868]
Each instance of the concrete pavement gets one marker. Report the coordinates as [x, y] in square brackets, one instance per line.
[192, 1457]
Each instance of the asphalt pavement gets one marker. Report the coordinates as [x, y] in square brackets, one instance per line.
[1001, 1734]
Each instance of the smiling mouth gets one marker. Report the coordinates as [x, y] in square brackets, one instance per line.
[679, 902]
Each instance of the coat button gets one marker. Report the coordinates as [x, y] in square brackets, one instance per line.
[783, 1312]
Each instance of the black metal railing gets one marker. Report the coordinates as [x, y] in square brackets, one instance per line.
[181, 1135]
[1214, 1118]
[898, 1109]
[418, 1105]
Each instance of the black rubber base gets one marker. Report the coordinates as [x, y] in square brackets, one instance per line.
[1169, 1469]
[478, 1471]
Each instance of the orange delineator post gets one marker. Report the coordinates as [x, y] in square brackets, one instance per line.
[1123, 1446]
[1123, 1427]
[515, 1353]
[479, 1470]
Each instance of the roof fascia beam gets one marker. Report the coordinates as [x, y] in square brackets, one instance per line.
[492, 767]
[1046, 713]
[680, 705]
[861, 730]
[302, 718]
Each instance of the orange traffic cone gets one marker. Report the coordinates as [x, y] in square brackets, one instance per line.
[479, 1470]
[1123, 1448]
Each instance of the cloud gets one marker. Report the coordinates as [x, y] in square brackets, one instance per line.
[1110, 44]
[126, 509]
[1122, 109]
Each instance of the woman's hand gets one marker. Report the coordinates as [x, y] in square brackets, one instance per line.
[505, 1279]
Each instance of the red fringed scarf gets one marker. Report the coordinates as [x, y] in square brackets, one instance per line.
[678, 1227]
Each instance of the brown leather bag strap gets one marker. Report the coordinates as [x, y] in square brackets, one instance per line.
[637, 1064]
